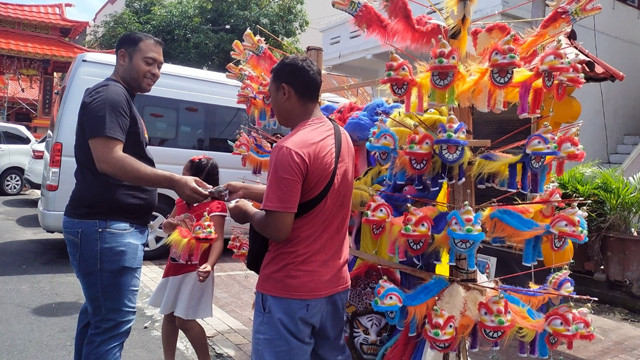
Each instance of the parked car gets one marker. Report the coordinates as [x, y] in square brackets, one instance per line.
[15, 151]
[33, 171]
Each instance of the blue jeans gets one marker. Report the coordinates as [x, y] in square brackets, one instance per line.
[106, 257]
[299, 329]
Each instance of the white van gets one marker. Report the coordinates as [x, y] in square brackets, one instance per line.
[188, 112]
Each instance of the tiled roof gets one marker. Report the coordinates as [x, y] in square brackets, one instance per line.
[51, 14]
[28, 44]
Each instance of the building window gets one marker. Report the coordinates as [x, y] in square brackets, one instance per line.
[190, 125]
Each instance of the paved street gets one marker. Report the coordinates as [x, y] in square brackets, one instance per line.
[40, 298]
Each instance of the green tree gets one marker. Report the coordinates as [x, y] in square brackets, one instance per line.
[199, 33]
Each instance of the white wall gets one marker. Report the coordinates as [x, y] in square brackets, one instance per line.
[610, 110]
[109, 7]
[320, 13]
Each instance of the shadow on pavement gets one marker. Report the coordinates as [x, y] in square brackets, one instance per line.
[28, 221]
[38, 256]
[22, 203]
[57, 309]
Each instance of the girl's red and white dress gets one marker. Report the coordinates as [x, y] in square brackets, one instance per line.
[179, 292]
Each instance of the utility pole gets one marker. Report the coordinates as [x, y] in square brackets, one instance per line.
[7, 87]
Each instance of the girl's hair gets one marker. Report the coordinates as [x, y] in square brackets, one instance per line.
[205, 168]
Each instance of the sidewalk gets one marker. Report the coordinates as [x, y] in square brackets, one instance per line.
[229, 329]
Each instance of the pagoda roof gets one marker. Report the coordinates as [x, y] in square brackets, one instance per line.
[39, 46]
[48, 14]
[593, 68]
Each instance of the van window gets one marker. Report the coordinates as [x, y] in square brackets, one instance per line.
[190, 125]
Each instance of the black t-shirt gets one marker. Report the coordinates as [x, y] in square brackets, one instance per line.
[107, 110]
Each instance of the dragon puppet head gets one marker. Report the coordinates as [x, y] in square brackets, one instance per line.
[576, 10]
[440, 330]
[416, 229]
[239, 73]
[351, 7]
[550, 63]
[464, 228]
[495, 318]
[383, 142]
[377, 214]
[569, 146]
[503, 59]
[253, 43]
[418, 152]
[203, 230]
[583, 322]
[451, 141]
[560, 282]
[560, 327]
[239, 244]
[389, 300]
[399, 76]
[539, 146]
[572, 77]
[443, 65]
[238, 52]
[567, 226]
[262, 93]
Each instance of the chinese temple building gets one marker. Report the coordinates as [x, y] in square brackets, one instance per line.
[35, 51]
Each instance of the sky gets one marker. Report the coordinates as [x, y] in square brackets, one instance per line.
[83, 10]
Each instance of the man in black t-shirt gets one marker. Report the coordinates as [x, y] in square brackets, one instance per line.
[105, 222]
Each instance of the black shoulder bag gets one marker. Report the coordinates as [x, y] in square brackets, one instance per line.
[259, 245]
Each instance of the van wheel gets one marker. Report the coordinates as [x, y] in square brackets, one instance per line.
[155, 248]
[12, 182]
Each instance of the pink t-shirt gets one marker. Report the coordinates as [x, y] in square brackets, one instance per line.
[312, 261]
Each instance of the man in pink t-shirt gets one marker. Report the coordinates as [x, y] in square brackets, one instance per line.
[304, 281]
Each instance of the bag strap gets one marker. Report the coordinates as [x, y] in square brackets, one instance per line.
[307, 206]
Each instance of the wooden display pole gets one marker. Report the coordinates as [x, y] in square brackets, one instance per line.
[460, 194]
[315, 53]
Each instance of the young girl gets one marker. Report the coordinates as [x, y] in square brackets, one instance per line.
[185, 292]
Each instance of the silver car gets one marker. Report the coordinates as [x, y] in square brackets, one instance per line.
[15, 151]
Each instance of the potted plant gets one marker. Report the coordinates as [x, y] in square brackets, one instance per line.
[613, 205]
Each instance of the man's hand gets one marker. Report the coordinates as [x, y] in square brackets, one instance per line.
[191, 189]
[239, 190]
[235, 190]
[241, 211]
